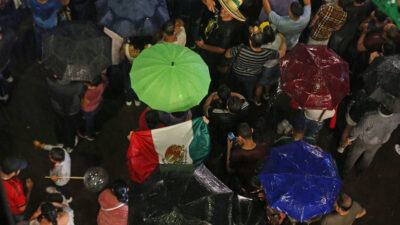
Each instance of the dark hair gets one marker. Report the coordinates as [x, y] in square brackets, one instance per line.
[385, 110]
[169, 27]
[389, 47]
[341, 3]
[224, 92]
[244, 131]
[96, 81]
[234, 104]
[344, 202]
[152, 119]
[269, 34]
[297, 9]
[392, 32]
[178, 114]
[120, 190]
[257, 39]
[57, 154]
[49, 211]
[379, 15]
[359, 1]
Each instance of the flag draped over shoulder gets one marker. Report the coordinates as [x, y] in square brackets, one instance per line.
[183, 143]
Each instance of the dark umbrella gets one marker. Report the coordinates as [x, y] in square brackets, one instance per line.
[383, 72]
[314, 76]
[183, 194]
[300, 180]
[77, 51]
[132, 17]
[6, 45]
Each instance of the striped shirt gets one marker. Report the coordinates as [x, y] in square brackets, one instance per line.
[329, 18]
[249, 62]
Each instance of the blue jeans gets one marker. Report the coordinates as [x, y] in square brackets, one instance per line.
[90, 121]
[244, 84]
[40, 33]
[311, 127]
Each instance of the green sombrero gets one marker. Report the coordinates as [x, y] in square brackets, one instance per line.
[232, 6]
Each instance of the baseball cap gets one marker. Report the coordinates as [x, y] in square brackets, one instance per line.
[13, 164]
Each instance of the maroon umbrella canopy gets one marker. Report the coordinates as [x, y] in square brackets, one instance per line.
[314, 76]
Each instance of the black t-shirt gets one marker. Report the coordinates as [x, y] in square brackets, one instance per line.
[221, 123]
[225, 35]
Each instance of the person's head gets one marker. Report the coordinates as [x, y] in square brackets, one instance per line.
[340, 3]
[269, 34]
[152, 119]
[225, 15]
[379, 16]
[95, 82]
[234, 104]
[244, 131]
[49, 212]
[230, 10]
[57, 155]
[384, 110]
[295, 10]
[256, 39]
[120, 189]
[169, 28]
[389, 47]
[390, 31]
[224, 92]
[343, 203]
[12, 166]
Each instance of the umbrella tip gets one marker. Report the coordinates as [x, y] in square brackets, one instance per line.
[172, 63]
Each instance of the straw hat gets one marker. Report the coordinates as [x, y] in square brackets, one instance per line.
[232, 6]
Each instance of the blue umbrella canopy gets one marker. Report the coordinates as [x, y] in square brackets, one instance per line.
[300, 180]
[132, 17]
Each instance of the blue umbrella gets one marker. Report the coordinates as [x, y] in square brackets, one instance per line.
[300, 180]
[132, 17]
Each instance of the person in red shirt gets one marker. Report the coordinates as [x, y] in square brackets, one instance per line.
[14, 188]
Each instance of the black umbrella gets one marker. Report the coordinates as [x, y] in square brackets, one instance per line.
[6, 45]
[132, 17]
[183, 194]
[77, 51]
[384, 72]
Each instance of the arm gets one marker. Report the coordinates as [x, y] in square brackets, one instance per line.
[228, 156]
[210, 48]
[210, 5]
[228, 54]
[267, 7]
[361, 214]
[360, 43]
[208, 102]
[282, 48]
[313, 21]
[307, 2]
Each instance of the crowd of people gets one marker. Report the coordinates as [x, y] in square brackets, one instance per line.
[241, 42]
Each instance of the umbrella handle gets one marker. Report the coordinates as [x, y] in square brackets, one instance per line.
[67, 177]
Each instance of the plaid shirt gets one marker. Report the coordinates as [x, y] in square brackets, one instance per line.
[329, 18]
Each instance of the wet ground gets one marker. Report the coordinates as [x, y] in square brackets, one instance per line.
[28, 116]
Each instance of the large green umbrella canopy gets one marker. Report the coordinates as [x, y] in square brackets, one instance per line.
[390, 8]
[170, 78]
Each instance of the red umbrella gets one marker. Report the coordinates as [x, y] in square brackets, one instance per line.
[314, 76]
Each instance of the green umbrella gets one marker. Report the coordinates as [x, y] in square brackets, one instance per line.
[390, 8]
[170, 78]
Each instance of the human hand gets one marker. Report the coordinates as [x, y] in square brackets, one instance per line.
[373, 55]
[129, 136]
[29, 184]
[210, 5]
[54, 178]
[349, 142]
[200, 43]
[364, 27]
[179, 23]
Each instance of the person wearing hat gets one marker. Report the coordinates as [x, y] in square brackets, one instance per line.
[14, 188]
[221, 31]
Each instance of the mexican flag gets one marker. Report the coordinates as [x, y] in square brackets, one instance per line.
[183, 143]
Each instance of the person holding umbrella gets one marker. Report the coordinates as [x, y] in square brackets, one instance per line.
[65, 99]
